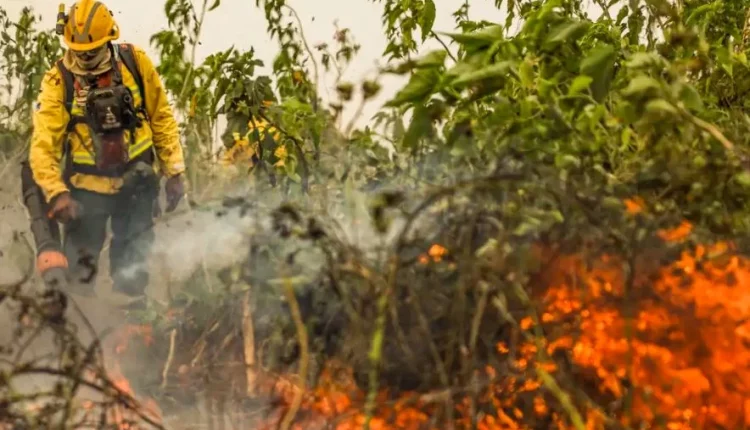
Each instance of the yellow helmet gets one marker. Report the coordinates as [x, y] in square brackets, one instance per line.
[89, 25]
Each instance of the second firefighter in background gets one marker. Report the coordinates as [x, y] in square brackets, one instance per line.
[247, 137]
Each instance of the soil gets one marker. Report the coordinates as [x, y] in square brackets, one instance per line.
[103, 311]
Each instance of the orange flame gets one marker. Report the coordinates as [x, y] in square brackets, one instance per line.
[683, 346]
[127, 332]
[435, 253]
[681, 341]
[123, 338]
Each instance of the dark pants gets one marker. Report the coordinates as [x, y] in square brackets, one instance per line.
[132, 237]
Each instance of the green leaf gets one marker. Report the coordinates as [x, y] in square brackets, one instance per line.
[215, 5]
[480, 38]
[401, 68]
[641, 85]
[612, 203]
[434, 58]
[497, 70]
[419, 127]
[579, 84]
[743, 179]
[526, 73]
[564, 32]
[489, 247]
[645, 59]
[597, 58]
[662, 8]
[661, 107]
[427, 20]
[467, 65]
[295, 177]
[690, 97]
[528, 226]
[565, 161]
[421, 84]
[487, 87]
[546, 87]
[706, 9]
[724, 59]
[599, 64]
[622, 14]
[555, 216]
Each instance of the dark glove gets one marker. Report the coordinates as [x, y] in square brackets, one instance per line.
[64, 208]
[175, 189]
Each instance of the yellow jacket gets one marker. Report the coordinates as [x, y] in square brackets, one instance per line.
[245, 148]
[51, 119]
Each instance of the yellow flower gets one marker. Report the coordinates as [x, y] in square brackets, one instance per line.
[281, 154]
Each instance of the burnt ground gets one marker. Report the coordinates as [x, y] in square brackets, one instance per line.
[184, 240]
[103, 311]
[14, 221]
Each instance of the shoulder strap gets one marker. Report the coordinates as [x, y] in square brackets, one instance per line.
[68, 85]
[125, 52]
[69, 89]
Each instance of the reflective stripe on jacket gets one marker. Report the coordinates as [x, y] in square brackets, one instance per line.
[51, 119]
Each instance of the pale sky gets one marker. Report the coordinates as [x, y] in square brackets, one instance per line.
[241, 23]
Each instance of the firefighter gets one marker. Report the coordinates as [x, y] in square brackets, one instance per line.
[103, 131]
[248, 137]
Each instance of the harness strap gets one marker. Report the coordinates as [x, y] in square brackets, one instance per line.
[68, 88]
[125, 52]
[68, 85]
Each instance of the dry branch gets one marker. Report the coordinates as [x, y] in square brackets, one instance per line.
[286, 423]
[248, 340]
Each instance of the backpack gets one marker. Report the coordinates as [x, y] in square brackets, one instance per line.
[125, 53]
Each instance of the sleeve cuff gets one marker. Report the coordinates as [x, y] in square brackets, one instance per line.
[175, 169]
[51, 195]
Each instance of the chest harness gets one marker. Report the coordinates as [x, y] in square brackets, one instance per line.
[108, 110]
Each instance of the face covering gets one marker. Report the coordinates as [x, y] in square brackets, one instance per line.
[95, 61]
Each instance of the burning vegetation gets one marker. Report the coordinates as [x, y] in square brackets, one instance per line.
[452, 330]
[568, 248]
